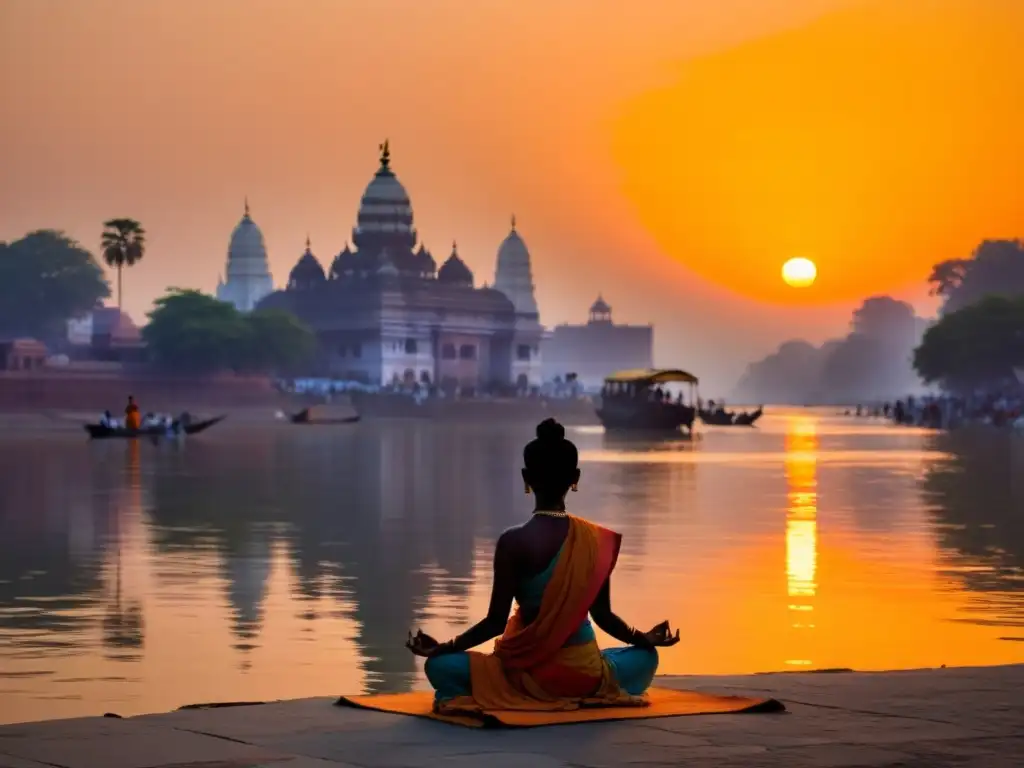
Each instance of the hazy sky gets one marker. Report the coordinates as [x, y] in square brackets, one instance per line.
[672, 156]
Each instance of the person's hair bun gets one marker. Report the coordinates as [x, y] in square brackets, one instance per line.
[550, 430]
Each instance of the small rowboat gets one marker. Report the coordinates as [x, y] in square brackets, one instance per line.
[729, 419]
[101, 432]
[304, 417]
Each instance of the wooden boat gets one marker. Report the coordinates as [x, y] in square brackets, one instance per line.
[305, 417]
[748, 418]
[629, 401]
[100, 432]
[729, 418]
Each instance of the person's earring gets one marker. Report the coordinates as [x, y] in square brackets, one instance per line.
[573, 488]
[527, 490]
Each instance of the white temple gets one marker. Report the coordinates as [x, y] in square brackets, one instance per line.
[247, 277]
[385, 313]
[514, 277]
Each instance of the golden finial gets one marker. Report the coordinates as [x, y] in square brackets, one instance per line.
[385, 154]
[308, 243]
[513, 222]
[455, 247]
[246, 205]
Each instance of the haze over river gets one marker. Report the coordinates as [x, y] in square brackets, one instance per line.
[257, 562]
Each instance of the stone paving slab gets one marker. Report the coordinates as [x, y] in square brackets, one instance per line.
[956, 718]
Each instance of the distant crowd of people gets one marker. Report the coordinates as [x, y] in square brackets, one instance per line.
[569, 388]
[998, 408]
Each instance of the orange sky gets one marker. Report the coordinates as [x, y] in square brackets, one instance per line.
[672, 159]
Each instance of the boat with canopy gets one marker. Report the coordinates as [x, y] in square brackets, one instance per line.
[638, 400]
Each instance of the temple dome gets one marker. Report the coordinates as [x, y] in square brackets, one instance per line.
[425, 262]
[307, 271]
[513, 275]
[513, 249]
[600, 307]
[344, 263]
[454, 271]
[600, 312]
[385, 207]
[247, 253]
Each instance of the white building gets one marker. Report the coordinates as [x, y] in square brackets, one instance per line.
[247, 277]
[514, 278]
[384, 312]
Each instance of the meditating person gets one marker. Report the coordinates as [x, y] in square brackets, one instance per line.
[557, 567]
[132, 419]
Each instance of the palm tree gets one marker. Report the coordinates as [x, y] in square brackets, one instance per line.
[124, 244]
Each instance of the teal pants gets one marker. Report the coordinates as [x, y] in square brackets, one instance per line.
[634, 669]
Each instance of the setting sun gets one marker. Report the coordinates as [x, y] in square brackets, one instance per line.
[799, 273]
[839, 117]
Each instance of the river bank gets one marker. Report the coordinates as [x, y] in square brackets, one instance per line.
[913, 719]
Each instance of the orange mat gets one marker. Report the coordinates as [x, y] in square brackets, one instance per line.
[665, 702]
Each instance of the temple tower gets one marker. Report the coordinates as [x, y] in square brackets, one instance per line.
[513, 275]
[247, 276]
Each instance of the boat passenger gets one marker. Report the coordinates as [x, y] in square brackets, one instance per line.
[107, 419]
[557, 567]
[131, 414]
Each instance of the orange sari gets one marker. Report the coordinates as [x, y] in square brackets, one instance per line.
[132, 420]
[531, 668]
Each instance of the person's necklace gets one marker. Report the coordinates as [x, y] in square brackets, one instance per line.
[551, 512]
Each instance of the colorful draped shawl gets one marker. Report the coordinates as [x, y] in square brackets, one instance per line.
[531, 668]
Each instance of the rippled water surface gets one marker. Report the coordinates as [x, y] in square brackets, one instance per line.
[261, 562]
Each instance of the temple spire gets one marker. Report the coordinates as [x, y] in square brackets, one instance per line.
[385, 154]
[455, 248]
[247, 206]
[309, 244]
[513, 222]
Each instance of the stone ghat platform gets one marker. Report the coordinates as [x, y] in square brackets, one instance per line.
[915, 719]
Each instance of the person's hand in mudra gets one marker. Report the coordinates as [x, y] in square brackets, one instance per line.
[422, 644]
[662, 636]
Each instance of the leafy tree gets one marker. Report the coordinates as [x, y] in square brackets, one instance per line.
[190, 331]
[996, 268]
[788, 375]
[977, 345]
[858, 368]
[278, 341]
[886, 319]
[124, 244]
[46, 278]
[872, 361]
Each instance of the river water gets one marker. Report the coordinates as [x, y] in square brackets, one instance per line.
[258, 562]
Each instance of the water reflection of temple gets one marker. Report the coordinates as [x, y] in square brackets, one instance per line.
[383, 524]
[801, 445]
[62, 513]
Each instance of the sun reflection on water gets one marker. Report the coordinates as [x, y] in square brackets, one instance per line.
[801, 445]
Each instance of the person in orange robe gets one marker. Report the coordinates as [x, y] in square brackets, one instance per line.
[132, 419]
[557, 567]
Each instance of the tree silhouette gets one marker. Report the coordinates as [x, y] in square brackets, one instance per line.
[996, 268]
[885, 318]
[978, 345]
[124, 244]
[874, 360]
[46, 278]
